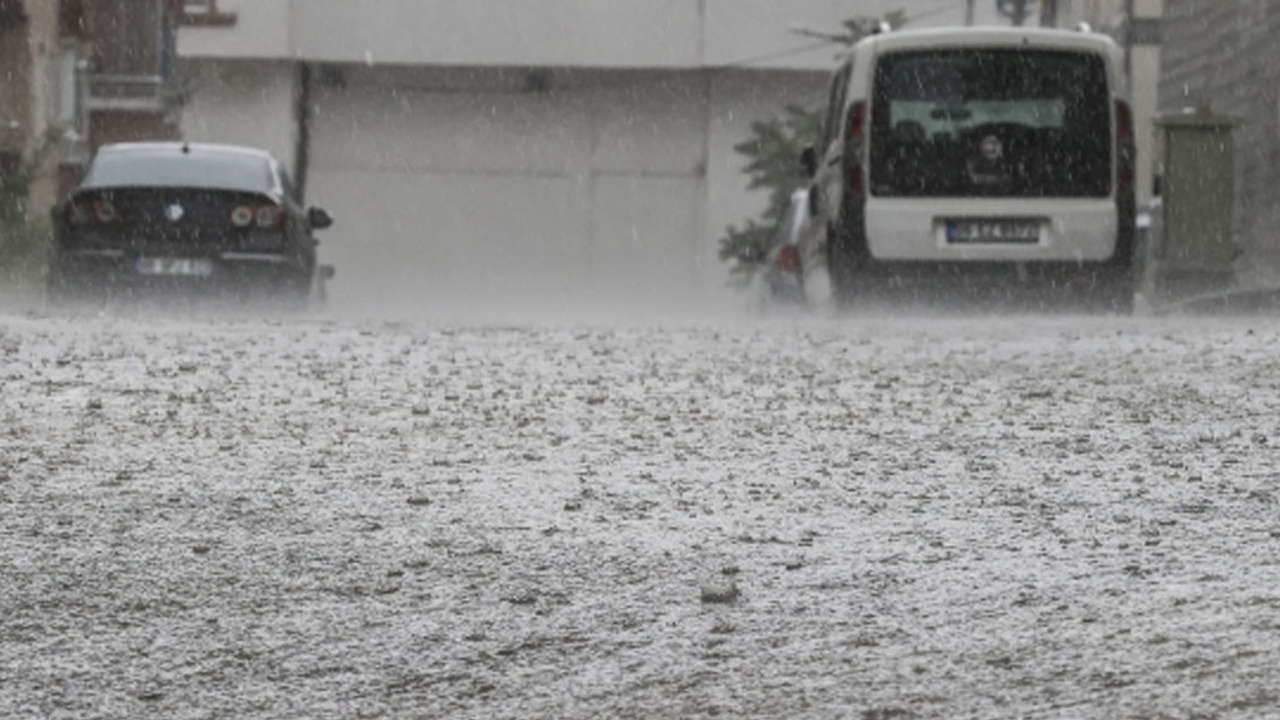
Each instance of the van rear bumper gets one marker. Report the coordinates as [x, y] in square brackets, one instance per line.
[915, 230]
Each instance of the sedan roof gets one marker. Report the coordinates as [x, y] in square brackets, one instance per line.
[197, 149]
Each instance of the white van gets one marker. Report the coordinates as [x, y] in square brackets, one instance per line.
[987, 154]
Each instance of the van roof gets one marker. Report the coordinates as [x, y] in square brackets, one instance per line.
[997, 37]
[991, 37]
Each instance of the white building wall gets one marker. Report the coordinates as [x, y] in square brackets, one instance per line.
[262, 31]
[459, 188]
[566, 33]
[590, 33]
[241, 102]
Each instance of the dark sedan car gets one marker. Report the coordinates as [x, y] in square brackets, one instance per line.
[188, 217]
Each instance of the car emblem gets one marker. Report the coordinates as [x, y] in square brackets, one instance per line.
[174, 212]
[991, 148]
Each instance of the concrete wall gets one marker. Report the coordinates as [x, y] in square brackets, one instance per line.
[610, 185]
[571, 33]
[458, 187]
[1226, 54]
[261, 31]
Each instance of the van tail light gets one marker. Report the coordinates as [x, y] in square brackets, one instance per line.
[105, 212]
[1126, 151]
[1124, 122]
[788, 260]
[855, 136]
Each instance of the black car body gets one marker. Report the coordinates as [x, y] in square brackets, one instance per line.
[184, 216]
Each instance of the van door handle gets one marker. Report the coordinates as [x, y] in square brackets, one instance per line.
[835, 161]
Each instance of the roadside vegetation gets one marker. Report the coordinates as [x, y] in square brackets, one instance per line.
[772, 155]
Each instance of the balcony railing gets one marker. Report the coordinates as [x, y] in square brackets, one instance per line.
[131, 93]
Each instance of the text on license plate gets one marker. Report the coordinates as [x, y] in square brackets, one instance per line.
[189, 267]
[994, 231]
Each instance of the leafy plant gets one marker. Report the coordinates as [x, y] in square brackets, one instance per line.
[773, 164]
[773, 159]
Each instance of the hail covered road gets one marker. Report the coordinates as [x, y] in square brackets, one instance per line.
[310, 517]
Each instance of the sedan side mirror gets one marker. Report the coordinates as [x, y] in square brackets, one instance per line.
[809, 162]
[318, 219]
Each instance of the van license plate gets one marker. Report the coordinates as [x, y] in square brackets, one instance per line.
[186, 267]
[1022, 232]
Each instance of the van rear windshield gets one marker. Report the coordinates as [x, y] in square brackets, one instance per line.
[991, 123]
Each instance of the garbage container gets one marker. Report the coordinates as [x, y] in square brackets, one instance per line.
[1195, 246]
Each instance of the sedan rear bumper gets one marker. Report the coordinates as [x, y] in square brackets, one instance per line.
[102, 270]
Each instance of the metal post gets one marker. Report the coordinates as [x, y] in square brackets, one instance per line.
[968, 12]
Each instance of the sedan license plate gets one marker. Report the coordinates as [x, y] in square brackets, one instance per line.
[184, 267]
[1005, 231]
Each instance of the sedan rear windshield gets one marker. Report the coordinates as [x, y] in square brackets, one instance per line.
[221, 171]
[991, 123]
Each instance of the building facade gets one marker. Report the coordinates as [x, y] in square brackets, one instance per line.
[567, 150]
[1225, 55]
[92, 72]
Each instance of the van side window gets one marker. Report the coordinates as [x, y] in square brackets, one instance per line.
[835, 106]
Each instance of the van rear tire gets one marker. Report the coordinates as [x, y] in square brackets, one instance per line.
[847, 265]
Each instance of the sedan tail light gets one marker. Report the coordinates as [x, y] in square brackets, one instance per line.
[265, 216]
[268, 216]
[105, 212]
[80, 213]
[242, 216]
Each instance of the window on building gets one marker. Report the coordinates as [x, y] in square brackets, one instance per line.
[68, 84]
